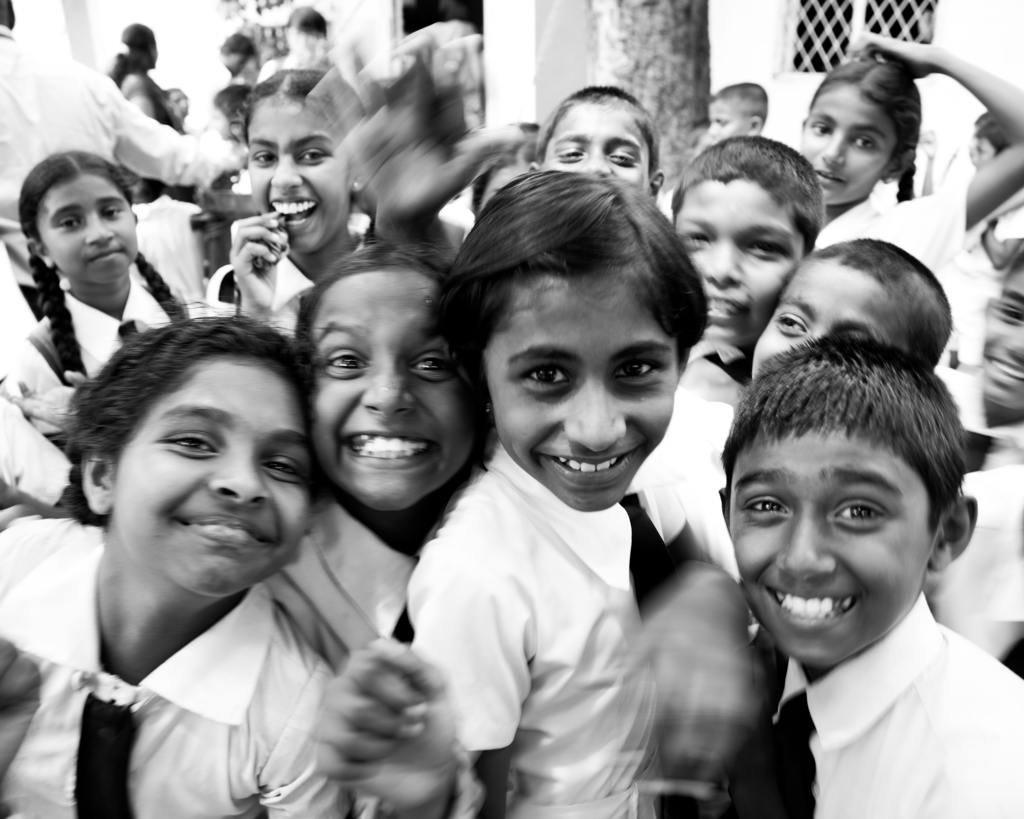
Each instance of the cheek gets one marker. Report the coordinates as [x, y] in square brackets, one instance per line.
[332, 404]
[293, 503]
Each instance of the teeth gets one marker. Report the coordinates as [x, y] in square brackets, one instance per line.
[292, 208]
[816, 608]
[583, 466]
[1006, 369]
[377, 446]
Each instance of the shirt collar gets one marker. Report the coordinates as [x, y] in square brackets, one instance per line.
[856, 694]
[290, 283]
[97, 333]
[850, 225]
[214, 676]
[602, 540]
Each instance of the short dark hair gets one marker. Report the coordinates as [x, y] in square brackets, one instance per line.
[107, 410]
[231, 101]
[308, 21]
[927, 318]
[571, 225]
[751, 96]
[857, 387]
[239, 43]
[987, 128]
[606, 95]
[528, 152]
[780, 171]
[7, 13]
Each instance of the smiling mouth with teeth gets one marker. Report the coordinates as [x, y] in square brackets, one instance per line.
[815, 608]
[584, 466]
[294, 210]
[385, 448]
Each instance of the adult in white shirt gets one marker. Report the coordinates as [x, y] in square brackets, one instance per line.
[49, 105]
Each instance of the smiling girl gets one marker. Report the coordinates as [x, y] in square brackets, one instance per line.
[863, 128]
[572, 306]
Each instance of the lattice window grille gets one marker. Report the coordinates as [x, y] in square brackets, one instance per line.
[819, 32]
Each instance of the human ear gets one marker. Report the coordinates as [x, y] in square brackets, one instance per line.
[756, 125]
[37, 248]
[723, 495]
[98, 485]
[952, 535]
[657, 180]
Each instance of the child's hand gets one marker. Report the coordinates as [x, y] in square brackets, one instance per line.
[19, 699]
[388, 731]
[258, 246]
[48, 410]
[921, 60]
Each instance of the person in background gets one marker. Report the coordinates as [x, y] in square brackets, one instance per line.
[514, 163]
[307, 44]
[241, 59]
[49, 105]
[737, 110]
[131, 75]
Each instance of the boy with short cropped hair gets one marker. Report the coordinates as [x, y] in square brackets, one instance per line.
[737, 110]
[844, 469]
[749, 210]
[864, 287]
[604, 130]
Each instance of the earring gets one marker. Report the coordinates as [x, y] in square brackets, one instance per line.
[488, 411]
[65, 285]
[356, 187]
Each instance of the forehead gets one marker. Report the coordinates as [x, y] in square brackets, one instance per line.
[837, 293]
[846, 105]
[82, 190]
[281, 121]
[725, 108]
[600, 120]
[400, 301]
[739, 204]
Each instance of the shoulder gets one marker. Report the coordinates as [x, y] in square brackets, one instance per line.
[26, 545]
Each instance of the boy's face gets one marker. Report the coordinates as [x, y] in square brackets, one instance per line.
[603, 140]
[744, 245]
[828, 298]
[980, 151]
[729, 120]
[1003, 357]
[833, 542]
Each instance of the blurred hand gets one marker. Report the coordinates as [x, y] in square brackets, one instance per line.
[48, 410]
[258, 246]
[920, 59]
[387, 730]
[696, 639]
[19, 699]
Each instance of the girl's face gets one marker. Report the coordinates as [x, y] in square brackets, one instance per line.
[298, 172]
[582, 380]
[87, 231]
[394, 421]
[211, 495]
[851, 143]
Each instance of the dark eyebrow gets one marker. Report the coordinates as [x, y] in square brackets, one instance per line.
[764, 476]
[545, 351]
[870, 129]
[75, 208]
[852, 474]
[643, 348]
[799, 303]
[264, 142]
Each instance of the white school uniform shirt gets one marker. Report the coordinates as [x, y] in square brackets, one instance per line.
[289, 287]
[97, 335]
[921, 725]
[28, 460]
[224, 728]
[526, 605]
[1007, 446]
[981, 594]
[931, 228]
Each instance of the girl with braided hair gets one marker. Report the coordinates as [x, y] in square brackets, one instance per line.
[863, 128]
[75, 210]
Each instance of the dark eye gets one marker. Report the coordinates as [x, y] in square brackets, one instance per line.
[1010, 312]
[570, 155]
[192, 444]
[766, 507]
[68, 222]
[624, 160]
[636, 369]
[112, 212]
[860, 512]
[261, 158]
[767, 250]
[864, 142]
[435, 367]
[820, 129]
[343, 364]
[548, 375]
[790, 325]
[287, 470]
[696, 240]
[313, 155]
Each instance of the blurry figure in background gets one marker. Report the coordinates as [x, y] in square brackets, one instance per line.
[307, 44]
[179, 99]
[228, 108]
[513, 164]
[241, 59]
[696, 141]
[974, 277]
[737, 110]
[131, 75]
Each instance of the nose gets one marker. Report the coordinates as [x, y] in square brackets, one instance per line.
[595, 419]
[286, 175]
[387, 394]
[598, 165]
[804, 557]
[834, 153]
[720, 264]
[99, 231]
[239, 479]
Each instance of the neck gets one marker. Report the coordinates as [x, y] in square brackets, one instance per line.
[109, 299]
[404, 530]
[144, 623]
[317, 262]
[833, 212]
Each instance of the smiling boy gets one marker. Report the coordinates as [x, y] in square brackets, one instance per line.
[844, 468]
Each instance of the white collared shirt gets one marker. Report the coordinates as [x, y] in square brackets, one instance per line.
[290, 285]
[527, 606]
[931, 228]
[48, 105]
[922, 725]
[97, 336]
[1007, 441]
[225, 727]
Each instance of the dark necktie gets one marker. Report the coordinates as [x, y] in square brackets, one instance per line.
[649, 560]
[104, 751]
[794, 760]
[128, 329]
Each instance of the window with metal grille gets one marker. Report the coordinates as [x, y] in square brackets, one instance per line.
[819, 32]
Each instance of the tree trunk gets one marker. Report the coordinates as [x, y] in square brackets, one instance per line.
[657, 50]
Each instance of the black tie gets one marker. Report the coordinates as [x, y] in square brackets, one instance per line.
[794, 760]
[104, 751]
[128, 329]
[649, 560]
